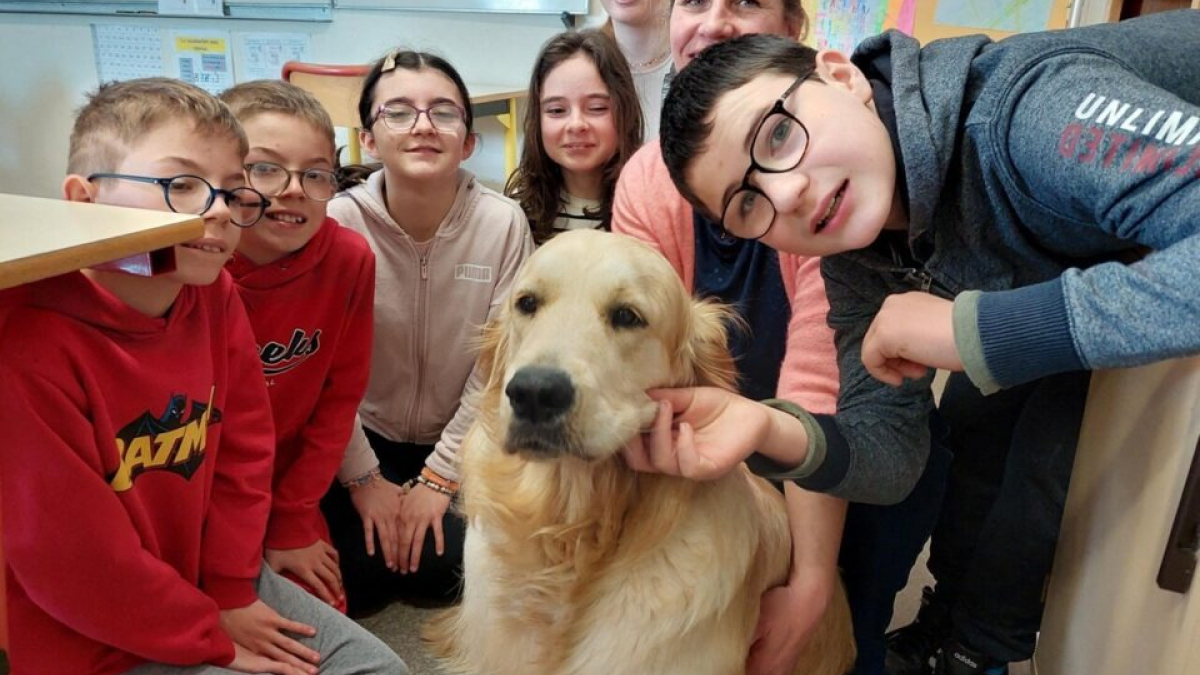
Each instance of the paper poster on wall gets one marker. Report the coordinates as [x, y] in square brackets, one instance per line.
[1017, 16]
[259, 56]
[126, 52]
[842, 24]
[202, 58]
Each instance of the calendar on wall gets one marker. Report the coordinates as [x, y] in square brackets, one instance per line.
[125, 52]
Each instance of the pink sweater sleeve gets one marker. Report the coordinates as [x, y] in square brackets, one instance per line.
[647, 207]
[809, 376]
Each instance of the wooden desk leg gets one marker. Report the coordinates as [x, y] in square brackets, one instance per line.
[509, 120]
[353, 148]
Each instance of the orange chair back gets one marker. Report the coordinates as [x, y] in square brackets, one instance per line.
[338, 89]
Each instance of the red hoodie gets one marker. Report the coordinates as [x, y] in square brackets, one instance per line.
[134, 477]
[312, 314]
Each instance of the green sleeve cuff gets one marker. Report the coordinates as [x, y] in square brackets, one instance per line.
[815, 456]
[969, 342]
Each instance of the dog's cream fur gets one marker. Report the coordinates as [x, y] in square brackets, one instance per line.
[574, 564]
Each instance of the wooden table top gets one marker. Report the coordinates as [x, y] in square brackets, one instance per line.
[42, 238]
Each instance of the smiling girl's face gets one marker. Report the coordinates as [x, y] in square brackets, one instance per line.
[422, 152]
[578, 125]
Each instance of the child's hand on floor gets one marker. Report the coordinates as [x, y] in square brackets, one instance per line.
[911, 333]
[423, 509]
[316, 565]
[378, 504]
[261, 630]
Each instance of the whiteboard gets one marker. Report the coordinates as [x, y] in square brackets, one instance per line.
[507, 6]
[294, 10]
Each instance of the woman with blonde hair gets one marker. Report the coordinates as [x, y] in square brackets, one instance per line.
[640, 29]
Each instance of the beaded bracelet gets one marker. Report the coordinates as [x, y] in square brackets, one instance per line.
[433, 477]
[367, 478]
[421, 479]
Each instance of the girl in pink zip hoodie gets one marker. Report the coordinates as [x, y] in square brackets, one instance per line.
[447, 249]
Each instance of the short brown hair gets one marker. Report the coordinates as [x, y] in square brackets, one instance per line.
[274, 96]
[687, 122]
[118, 114]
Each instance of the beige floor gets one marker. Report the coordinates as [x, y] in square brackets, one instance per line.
[398, 626]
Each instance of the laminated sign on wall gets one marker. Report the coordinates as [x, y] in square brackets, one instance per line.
[202, 58]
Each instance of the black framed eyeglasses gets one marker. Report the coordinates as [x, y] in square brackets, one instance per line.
[273, 179]
[446, 117]
[190, 194]
[749, 213]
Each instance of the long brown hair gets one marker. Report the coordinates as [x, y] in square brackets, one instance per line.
[537, 183]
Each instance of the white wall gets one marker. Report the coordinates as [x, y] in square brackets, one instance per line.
[47, 64]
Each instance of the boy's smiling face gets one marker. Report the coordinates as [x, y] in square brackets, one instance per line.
[293, 218]
[171, 149]
[843, 191]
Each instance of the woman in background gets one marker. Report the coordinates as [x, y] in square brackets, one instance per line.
[640, 29]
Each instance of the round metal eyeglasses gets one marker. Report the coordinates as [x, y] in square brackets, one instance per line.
[273, 180]
[445, 117]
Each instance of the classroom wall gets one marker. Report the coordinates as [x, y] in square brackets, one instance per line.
[47, 64]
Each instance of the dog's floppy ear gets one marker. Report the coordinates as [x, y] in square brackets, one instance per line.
[706, 358]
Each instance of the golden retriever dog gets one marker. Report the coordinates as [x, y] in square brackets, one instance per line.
[575, 564]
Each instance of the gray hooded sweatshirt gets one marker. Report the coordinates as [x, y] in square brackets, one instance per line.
[1034, 171]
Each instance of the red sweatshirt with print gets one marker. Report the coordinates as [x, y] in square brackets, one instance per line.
[134, 477]
[312, 315]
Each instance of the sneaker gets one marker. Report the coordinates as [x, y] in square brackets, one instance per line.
[955, 658]
[911, 649]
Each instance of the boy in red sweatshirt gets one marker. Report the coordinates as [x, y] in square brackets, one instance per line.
[135, 471]
[309, 287]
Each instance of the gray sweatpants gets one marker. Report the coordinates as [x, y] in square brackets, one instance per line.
[345, 647]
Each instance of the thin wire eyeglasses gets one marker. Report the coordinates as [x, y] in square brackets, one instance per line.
[446, 118]
[749, 213]
[273, 179]
[190, 194]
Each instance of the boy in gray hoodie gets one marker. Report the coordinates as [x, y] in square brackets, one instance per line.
[977, 205]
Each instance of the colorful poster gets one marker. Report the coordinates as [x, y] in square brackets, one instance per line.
[203, 58]
[1017, 16]
[842, 24]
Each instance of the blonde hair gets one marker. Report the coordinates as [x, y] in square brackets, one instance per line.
[274, 96]
[119, 114]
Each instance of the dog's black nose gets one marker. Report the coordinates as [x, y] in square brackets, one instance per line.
[539, 394]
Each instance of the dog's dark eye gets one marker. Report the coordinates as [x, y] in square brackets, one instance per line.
[527, 304]
[625, 317]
